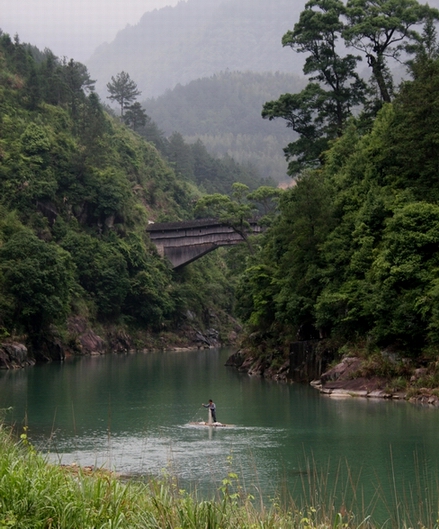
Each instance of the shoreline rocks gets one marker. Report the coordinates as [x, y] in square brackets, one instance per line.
[258, 367]
[85, 341]
[14, 355]
[343, 381]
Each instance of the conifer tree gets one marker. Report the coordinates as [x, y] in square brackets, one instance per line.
[135, 117]
[320, 111]
[123, 90]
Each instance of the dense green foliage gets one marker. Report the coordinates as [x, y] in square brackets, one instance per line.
[224, 112]
[77, 190]
[353, 255]
[193, 164]
[380, 30]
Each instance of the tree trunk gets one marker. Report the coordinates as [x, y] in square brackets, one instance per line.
[377, 70]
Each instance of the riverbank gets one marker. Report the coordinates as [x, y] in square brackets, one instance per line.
[81, 338]
[356, 377]
[378, 376]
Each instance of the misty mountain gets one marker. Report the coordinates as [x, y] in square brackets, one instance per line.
[224, 112]
[198, 38]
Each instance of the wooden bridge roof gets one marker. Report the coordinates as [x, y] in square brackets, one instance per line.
[182, 225]
[188, 224]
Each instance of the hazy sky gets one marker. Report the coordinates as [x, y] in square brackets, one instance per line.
[72, 28]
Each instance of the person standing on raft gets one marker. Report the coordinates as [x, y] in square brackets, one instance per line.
[212, 409]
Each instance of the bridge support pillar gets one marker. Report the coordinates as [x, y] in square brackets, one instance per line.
[183, 255]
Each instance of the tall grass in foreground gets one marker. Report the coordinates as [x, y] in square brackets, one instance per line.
[35, 494]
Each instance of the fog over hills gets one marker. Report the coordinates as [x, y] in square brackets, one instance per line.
[198, 38]
[200, 56]
[224, 112]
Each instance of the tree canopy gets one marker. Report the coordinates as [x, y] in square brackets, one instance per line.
[352, 256]
[123, 90]
[380, 30]
[77, 190]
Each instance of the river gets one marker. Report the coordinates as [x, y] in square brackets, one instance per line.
[133, 414]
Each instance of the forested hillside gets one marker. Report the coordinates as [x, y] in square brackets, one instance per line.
[193, 164]
[224, 112]
[198, 38]
[353, 256]
[77, 190]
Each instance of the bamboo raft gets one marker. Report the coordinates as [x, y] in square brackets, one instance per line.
[211, 424]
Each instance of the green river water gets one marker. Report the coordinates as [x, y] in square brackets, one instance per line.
[133, 414]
